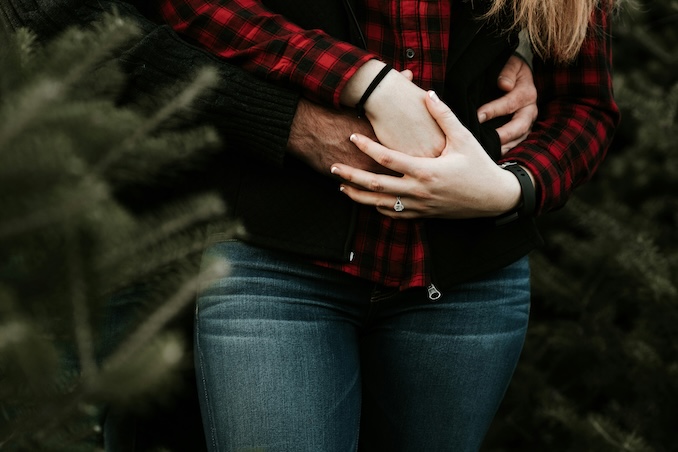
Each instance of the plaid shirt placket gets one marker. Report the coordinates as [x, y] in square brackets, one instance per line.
[414, 36]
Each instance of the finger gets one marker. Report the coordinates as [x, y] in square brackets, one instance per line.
[509, 74]
[372, 182]
[519, 125]
[511, 144]
[384, 203]
[447, 121]
[388, 158]
[505, 105]
[516, 79]
[407, 74]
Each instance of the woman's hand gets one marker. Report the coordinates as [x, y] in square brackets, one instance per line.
[463, 182]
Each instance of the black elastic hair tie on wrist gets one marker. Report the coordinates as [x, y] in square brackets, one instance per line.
[360, 106]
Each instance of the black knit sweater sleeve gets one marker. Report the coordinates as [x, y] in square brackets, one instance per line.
[251, 115]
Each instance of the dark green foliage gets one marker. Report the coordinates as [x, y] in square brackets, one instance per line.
[600, 367]
[69, 241]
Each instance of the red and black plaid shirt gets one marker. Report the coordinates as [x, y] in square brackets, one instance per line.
[567, 144]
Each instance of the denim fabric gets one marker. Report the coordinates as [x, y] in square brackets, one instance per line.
[294, 357]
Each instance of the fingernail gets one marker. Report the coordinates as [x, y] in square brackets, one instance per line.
[334, 169]
[482, 117]
[505, 79]
[342, 188]
[353, 138]
[434, 97]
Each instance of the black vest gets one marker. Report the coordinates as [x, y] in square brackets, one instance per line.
[301, 211]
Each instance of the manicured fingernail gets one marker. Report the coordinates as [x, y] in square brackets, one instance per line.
[334, 169]
[434, 97]
[353, 138]
[342, 188]
[482, 117]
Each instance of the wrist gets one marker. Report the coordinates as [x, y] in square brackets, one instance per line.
[524, 204]
[360, 106]
[359, 82]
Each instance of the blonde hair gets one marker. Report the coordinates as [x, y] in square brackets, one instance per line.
[556, 28]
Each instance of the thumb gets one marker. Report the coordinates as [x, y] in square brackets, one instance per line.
[407, 74]
[508, 75]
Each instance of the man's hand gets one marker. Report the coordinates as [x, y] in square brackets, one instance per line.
[520, 100]
[319, 137]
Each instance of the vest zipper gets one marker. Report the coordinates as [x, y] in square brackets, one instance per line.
[433, 292]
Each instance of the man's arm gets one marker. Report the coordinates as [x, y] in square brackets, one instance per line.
[249, 113]
[577, 118]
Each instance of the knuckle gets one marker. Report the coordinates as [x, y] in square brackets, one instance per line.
[424, 175]
[511, 105]
[384, 159]
[382, 204]
[375, 186]
[491, 111]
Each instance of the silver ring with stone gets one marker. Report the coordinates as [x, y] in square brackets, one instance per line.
[398, 206]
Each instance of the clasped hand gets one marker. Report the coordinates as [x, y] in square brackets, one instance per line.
[462, 182]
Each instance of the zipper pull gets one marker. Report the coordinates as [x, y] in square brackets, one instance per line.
[433, 293]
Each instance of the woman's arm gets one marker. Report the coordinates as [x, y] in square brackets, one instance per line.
[576, 122]
[265, 43]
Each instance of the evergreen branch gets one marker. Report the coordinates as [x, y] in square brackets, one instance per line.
[197, 212]
[39, 423]
[53, 415]
[44, 93]
[55, 214]
[205, 79]
[30, 105]
[114, 33]
[639, 256]
[654, 47]
[149, 328]
[81, 322]
[598, 427]
[157, 260]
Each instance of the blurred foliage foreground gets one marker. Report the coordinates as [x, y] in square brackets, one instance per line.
[68, 243]
[600, 367]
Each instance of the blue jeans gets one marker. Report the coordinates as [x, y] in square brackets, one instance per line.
[294, 357]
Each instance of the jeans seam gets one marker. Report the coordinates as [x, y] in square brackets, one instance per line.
[357, 429]
[205, 396]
